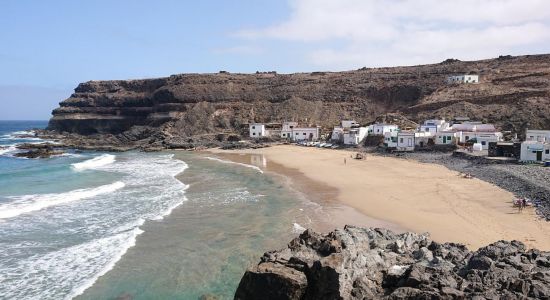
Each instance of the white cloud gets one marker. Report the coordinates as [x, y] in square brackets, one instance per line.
[352, 33]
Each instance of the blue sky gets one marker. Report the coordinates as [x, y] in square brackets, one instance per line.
[48, 47]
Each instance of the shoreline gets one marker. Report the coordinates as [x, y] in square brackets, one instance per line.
[395, 192]
[333, 212]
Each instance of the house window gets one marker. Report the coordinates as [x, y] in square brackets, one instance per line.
[284, 134]
[253, 127]
[304, 133]
[547, 151]
[253, 133]
[401, 140]
[296, 133]
[483, 143]
[427, 129]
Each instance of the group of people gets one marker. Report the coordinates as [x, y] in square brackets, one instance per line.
[521, 204]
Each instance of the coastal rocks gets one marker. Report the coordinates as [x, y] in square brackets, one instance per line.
[368, 263]
[45, 150]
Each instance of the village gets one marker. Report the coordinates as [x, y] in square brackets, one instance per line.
[469, 137]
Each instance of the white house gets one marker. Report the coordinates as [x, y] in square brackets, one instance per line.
[422, 138]
[305, 133]
[433, 126]
[337, 134]
[381, 129]
[482, 138]
[286, 129]
[400, 140]
[463, 79]
[534, 151]
[390, 139]
[349, 124]
[476, 132]
[537, 135]
[354, 136]
[445, 138]
[257, 130]
[405, 141]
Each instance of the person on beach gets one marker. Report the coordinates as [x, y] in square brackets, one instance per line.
[523, 203]
[344, 160]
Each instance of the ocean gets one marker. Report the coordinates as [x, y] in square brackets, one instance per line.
[134, 225]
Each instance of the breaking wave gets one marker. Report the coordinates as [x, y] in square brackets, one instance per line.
[94, 163]
[30, 203]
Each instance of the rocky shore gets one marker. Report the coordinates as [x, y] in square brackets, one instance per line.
[367, 263]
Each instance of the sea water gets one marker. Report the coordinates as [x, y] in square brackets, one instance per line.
[95, 225]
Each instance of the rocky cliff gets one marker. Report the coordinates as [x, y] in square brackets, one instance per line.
[514, 93]
[364, 263]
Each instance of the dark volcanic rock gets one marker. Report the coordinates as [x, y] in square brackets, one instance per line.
[44, 150]
[513, 93]
[366, 263]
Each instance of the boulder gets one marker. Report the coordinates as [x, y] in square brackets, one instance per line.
[373, 263]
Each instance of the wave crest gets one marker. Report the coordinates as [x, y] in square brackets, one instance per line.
[29, 203]
[96, 162]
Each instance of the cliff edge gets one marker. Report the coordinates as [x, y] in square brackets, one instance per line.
[514, 93]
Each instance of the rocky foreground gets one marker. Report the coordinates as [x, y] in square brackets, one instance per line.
[367, 263]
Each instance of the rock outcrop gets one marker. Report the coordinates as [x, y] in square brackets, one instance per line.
[45, 150]
[365, 263]
[514, 92]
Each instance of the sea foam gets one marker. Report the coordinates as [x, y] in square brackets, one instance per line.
[105, 226]
[30, 203]
[235, 163]
[94, 163]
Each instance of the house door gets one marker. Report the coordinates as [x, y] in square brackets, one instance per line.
[410, 142]
[539, 155]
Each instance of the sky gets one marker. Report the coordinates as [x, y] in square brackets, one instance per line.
[48, 47]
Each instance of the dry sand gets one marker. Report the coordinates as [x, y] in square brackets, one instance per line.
[415, 196]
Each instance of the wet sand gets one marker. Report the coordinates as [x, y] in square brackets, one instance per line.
[402, 195]
[332, 212]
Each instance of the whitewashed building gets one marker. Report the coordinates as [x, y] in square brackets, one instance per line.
[445, 138]
[354, 136]
[381, 129]
[287, 128]
[405, 141]
[482, 138]
[390, 139]
[337, 134]
[433, 126]
[306, 133]
[422, 139]
[537, 135]
[257, 130]
[400, 140]
[477, 133]
[535, 151]
[349, 124]
[463, 79]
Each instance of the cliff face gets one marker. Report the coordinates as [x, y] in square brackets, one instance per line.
[366, 263]
[514, 92]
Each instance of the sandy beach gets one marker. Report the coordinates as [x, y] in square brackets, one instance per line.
[409, 195]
